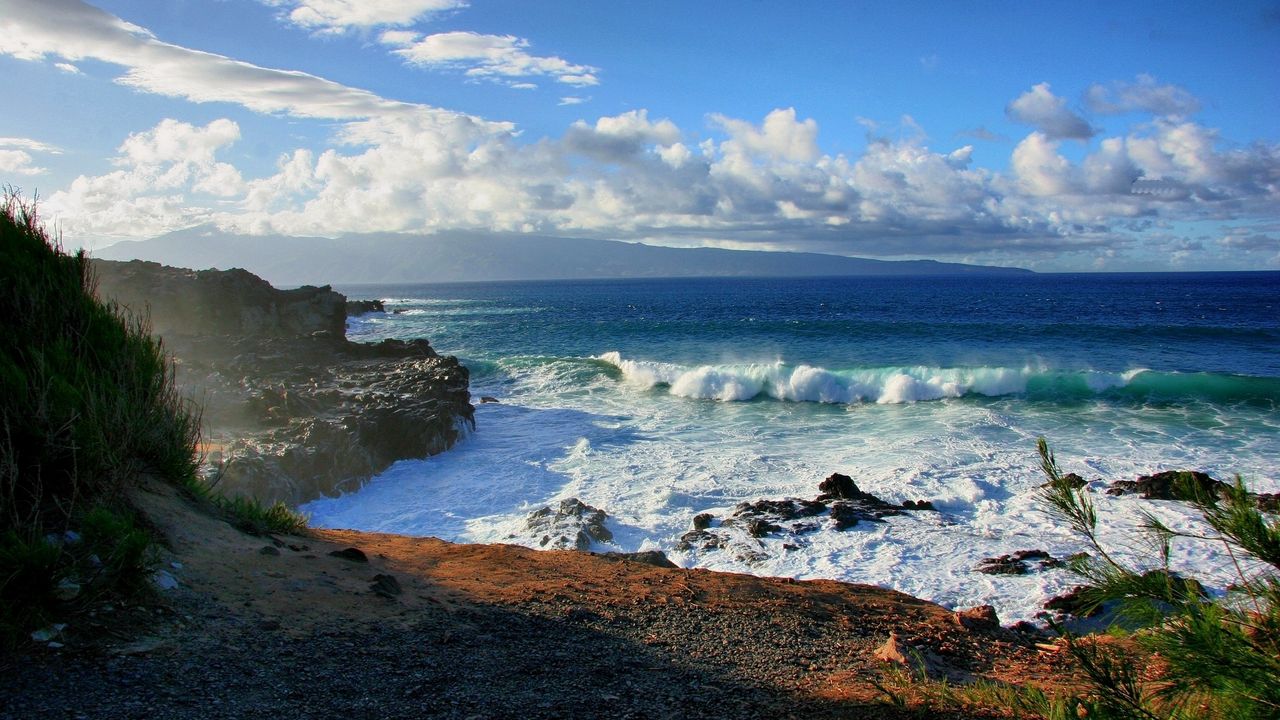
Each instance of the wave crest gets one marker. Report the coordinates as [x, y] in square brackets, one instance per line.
[897, 385]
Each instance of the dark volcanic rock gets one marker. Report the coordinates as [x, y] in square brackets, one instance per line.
[1169, 485]
[352, 554]
[292, 410]
[1019, 563]
[386, 586]
[840, 499]
[363, 307]
[656, 558]
[1076, 601]
[573, 525]
[838, 487]
[219, 302]
[1073, 481]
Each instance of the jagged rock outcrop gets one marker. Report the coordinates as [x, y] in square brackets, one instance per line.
[219, 302]
[292, 409]
[1187, 486]
[573, 525]
[840, 505]
[1021, 562]
[363, 307]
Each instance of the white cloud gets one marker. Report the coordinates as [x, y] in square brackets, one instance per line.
[68, 68]
[761, 182]
[18, 162]
[492, 57]
[1145, 94]
[159, 169]
[16, 158]
[1049, 113]
[72, 30]
[1039, 169]
[780, 136]
[336, 16]
[30, 145]
[572, 100]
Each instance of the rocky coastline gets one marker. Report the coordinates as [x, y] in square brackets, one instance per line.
[292, 409]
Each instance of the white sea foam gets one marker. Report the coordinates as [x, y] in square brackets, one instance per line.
[653, 460]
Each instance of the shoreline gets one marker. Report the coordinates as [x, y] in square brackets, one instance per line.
[464, 629]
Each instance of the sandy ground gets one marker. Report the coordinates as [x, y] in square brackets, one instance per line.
[553, 627]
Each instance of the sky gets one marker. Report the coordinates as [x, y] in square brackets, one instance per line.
[1058, 136]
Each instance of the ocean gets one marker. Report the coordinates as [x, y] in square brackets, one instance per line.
[658, 400]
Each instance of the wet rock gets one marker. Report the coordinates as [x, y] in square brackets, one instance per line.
[488, 399]
[780, 510]
[1077, 602]
[839, 498]
[293, 409]
[838, 487]
[701, 540]
[656, 558]
[352, 554]
[759, 528]
[571, 525]
[1170, 485]
[982, 617]
[1019, 563]
[269, 550]
[844, 515]
[364, 307]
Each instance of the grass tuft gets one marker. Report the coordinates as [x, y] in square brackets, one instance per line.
[87, 404]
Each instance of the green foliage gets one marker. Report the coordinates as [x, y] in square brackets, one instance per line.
[253, 517]
[87, 403]
[30, 570]
[904, 688]
[1221, 659]
[89, 398]
[45, 577]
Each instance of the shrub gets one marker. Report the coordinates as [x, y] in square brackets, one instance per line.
[87, 403]
[1219, 658]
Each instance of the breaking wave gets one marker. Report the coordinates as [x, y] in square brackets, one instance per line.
[894, 385]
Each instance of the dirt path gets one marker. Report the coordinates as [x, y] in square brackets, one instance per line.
[281, 628]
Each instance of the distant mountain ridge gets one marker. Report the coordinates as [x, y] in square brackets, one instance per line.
[463, 256]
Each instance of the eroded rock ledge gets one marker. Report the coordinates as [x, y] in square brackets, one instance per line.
[292, 409]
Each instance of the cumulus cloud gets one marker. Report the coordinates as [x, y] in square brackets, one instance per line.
[781, 136]
[18, 162]
[491, 57]
[761, 182]
[1049, 113]
[149, 193]
[16, 158]
[336, 16]
[1144, 94]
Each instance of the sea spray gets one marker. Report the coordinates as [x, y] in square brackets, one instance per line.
[661, 400]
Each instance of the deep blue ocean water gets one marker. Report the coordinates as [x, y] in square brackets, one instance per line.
[660, 399]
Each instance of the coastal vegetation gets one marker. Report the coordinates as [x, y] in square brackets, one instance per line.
[88, 407]
[1203, 657]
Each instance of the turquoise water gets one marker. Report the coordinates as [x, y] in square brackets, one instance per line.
[660, 399]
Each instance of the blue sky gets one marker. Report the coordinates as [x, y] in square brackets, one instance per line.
[1058, 136]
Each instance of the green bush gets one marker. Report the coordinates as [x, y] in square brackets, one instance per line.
[87, 404]
[1220, 658]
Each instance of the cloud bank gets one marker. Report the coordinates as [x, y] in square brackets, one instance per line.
[760, 182]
